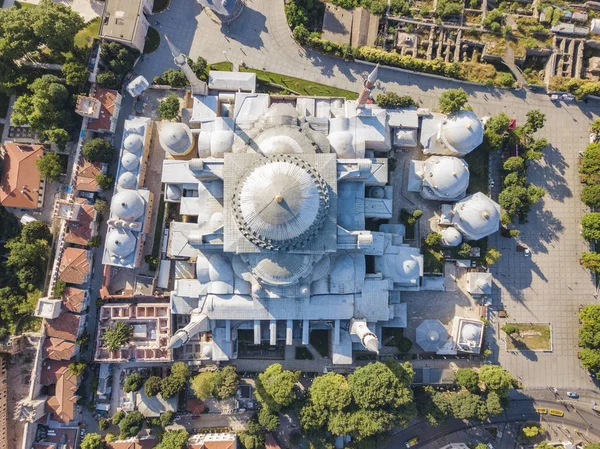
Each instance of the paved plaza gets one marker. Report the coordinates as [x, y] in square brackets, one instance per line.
[547, 287]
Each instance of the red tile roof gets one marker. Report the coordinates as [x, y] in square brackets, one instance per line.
[134, 443]
[52, 370]
[195, 406]
[73, 299]
[64, 327]
[58, 349]
[80, 229]
[107, 99]
[62, 405]
[20, 176]
[270, 442]
[227, 444]
[86, 177]
[74, 266]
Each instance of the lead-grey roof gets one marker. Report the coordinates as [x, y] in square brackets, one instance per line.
[431, 335]
[232, 81]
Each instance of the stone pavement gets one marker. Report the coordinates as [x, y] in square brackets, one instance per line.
[549, 286]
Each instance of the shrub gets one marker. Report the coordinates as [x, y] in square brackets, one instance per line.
[95, 241]
[169, 108]
[108, 80]
[590, 195]
[510, 329]
[391, 100]
[433, 239]
[152, 386]
[117, 417]
[590, 226]
[464, 250]
[103, 423]
[59, 288]
[98, 150]
[133, 382]
[453, 100]
[50, 166]
[301, 34]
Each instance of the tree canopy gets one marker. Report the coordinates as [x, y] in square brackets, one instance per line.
[152, 386]
[203, 384]
[131, 424]
[56, 25]
[75, 73]
[176, 439]
[496, 379]
[172, 385]
[467, 378]
[133, 382]
[117, 336]
[590, 226]
[50, 166]
[452, 100]
[169, 108]
[390, 100]
[98, 150]
[226, 382]
[466, 405]
[92, 441]
[275, 387]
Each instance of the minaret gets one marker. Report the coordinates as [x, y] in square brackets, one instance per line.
[368, 86]
[368, 339]
[198, 323]
[180, 60]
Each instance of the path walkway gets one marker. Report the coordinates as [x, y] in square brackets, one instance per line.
[547, 287]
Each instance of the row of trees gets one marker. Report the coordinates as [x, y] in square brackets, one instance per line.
[589, 338]
[115, 61]
[24, 261]
[166, 387]
[220, 384]
[589, 171]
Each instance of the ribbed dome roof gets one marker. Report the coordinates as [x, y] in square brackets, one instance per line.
[127, 205]
[462, 132]
[279, 268]
[280, 203]
[130, 161]
[477, 216]
[447, 176]
[127, 180]
[175, 138]
[120, 243]
[133, 143]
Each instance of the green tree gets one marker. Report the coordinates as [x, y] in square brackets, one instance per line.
[510, 329]
[492, 255]
[467, 378]
[514, 164]
[465, 250]
[496, 379]
[433, 239]
[590, 164]
[50, 166]
[514, 179]
[301, 34]
[534, 122]
[172, 385]
[77, 368]
[133, 382]
[590, 359]
[590, 226]
[176, 439]
[591, 261]
[92, 441]
[34, 231]
[169, 108]
[118, 58]
[203, 385]
[152, 386]
[101, 206]
[269, 420]
[171, 77]
[466, 405]
[104, 181]
[254, 437]
[180, 369]
[226, 382]
[103, 423]
[117, 336]
[275, 387]
[531, 431]
[117, 417]
[131, 424]
[59, 288]
[590, 195]
[56, 25]
[328, 394]
[432, 405]
[493, 20]
[496, 130]
[57, 135]
[493, 404]
[452, 100]
[98, 150]
[391, 100]
[95, 241]
[198, 67]
[375, 385]
[75, 74]
[166, 418]
[108, 80]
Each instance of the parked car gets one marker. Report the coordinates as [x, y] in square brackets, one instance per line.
[573, 395]
[412, 442]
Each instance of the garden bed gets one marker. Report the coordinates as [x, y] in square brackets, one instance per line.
[530, 337]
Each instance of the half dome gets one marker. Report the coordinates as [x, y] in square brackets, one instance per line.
[279, 269]
[175, 138]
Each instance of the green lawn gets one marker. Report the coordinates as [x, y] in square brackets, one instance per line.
[530, 337]
[301, 86]
[88, 33]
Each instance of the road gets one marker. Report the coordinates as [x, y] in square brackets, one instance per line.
[522, 408]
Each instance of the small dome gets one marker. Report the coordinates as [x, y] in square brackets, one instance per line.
[130, 161]
[476, 216]
[215, 267]
[451, 237]
[409, 268]
[221, 142]
[127, 180]
[447, 176]
[173, 192]
[134, 144]
[342, 143]
[462, 132]
[376, 192]
[127, 205]
[175, 138]
[120, 243]
[470, 332]
[279, 268]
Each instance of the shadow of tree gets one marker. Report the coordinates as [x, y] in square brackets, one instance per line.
[249, 19]
[553, 180]
[550, 228]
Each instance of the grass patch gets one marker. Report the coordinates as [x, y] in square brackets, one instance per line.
[303, 353]
[87, 34]
[529, 337]
[301, 86]
[433, 261]
[152, 41]
[478, 161]
[160, 5]
[319, 339]
[221, 66]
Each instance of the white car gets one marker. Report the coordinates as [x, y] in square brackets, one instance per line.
[554, 97]
[527, 252]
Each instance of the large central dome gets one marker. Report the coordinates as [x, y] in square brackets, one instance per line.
[280, 203]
